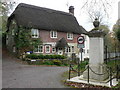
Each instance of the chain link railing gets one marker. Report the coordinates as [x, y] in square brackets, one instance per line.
[78, 71]
[109, 71]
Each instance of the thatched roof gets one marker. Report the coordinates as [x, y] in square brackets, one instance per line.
[30, 16]
[61, 43]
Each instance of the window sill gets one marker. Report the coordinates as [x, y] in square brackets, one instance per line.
[53, 37]
[35, 37]
[69, 38]
[47, 52]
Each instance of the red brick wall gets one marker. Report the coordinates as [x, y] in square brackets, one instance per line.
[45, 37]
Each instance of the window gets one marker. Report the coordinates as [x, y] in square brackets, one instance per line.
[87, 51]
[35, 33]
[38, 49]
[66, 50]
[69, 49]
[59, 48]
[53, 34]
[69, 36]
[83, 50]
[53, 50]
[47, 48]
[72, 48]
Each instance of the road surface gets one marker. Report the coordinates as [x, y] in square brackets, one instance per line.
[18, 75]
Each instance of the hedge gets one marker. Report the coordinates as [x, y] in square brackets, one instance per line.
[40, 56]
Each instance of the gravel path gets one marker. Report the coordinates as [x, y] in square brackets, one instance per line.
[17, 75]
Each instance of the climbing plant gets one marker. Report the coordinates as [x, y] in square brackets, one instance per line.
[24, 41]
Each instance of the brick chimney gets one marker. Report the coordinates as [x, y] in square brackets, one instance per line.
[71, 10]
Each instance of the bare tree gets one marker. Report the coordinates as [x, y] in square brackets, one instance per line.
[6, 7]
[97, 9]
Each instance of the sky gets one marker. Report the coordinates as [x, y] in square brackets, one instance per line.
[82, 17]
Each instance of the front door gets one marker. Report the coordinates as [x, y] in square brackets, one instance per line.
[60, 51]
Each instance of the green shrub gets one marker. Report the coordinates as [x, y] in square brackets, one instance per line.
[37, 62]
[48, 63]
[47, 57]
[82, 65]
[51, 57]
[57, 62]
[59, 57]
[55, 56]
[66, 64]
[40, 56]
[32, 56]
[63, 57]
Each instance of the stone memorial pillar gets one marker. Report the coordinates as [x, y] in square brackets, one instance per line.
[97, 70]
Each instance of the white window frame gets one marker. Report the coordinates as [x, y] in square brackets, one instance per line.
[70, 36]
[69, 49]
[35, 34]
[87, 50]
[46, 49]
[53, 34]
[38, 49]
[54, 50]
[65, 49]
[72, 49]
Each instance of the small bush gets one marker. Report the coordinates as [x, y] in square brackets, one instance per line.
[32, 56]
[48, 63]
[47, 57]
[38, 62]
[41, 56]
[57, 62]
[66, 64]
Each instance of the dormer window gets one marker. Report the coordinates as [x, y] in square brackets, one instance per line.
[70, 36]
[53, 34]
[34, 33]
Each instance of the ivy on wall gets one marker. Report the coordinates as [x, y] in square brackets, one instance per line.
[24, 41]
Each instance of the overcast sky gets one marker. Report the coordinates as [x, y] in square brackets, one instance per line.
[82, 18]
